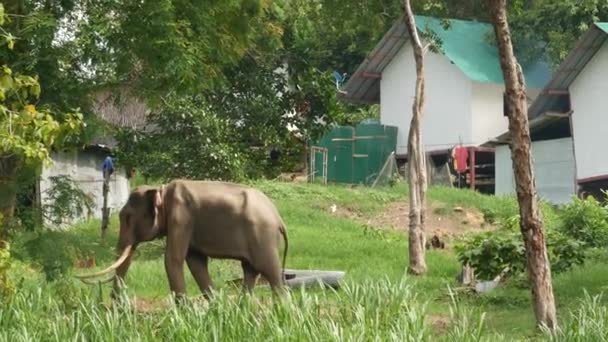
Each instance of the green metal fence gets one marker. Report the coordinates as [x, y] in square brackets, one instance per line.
[352, 155]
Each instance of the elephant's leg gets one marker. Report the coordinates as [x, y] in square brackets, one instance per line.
[271, 270]
[198, 265]
[175, 254]
[250, 275]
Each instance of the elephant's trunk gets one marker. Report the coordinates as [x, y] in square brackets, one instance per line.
[126, 254]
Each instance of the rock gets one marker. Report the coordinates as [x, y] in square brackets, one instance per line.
[458, 209]
[486, 286]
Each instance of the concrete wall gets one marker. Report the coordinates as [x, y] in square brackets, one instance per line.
[487, 112]
[85, 169]
[447, 109]
[553, 167]
[589, 96]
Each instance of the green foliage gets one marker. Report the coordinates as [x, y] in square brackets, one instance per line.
[564, 251]
[26, 131]
[490, 253]
[585, 220]
[7, 288]
[65, 201]
[187, 142]
[557, 25]
[52, 253]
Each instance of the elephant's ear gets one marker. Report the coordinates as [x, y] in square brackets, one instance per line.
[154, 198]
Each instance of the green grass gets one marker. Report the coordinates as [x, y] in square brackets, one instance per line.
[379, 300]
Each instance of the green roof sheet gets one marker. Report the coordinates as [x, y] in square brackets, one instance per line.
[466, 44]
[602, 26]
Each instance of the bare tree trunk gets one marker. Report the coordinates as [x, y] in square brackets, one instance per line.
[416, 156]
[531, 222]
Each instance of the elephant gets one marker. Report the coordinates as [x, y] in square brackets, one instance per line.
[202, 220]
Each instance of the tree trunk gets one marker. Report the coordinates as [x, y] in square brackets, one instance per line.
[531, 222]
[8, 191]
[416, 156]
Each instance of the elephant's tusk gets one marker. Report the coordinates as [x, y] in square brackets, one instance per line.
[114, 266]
[90, 282]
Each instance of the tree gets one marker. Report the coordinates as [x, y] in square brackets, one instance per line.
[549, 29]
[531, 223]
[416, 155]
[27, 132]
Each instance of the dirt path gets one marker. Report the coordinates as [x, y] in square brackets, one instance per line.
[443, 221]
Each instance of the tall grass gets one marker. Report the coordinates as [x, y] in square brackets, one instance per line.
[589, 322]
[372, 311]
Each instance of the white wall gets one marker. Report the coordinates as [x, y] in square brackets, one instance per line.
[487, 112]
[85, 169]
[589, 96]
[553, 168]
[447, 106]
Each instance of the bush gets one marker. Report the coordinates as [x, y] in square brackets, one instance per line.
[51, 252]
[586, 220]
[490, 253]
[66, 201]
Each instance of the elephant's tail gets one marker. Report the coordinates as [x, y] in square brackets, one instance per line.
[283, 232]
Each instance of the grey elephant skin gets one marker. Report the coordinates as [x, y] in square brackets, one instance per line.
[202, 220]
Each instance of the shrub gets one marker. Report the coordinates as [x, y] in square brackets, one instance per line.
[586, 220]
[564, 252]
[490, 253]
[52, 253]
[66, 201]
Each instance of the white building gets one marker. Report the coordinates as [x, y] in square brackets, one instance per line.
[464, 84]
[84, 169]
[464, 87]
[568, 125]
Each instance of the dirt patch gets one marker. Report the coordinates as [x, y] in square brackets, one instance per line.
[440, 324]
[443, 222]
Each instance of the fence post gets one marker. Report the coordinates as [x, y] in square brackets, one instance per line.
[108, 169]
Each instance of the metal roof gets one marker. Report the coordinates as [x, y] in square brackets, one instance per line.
[538, 124]
[464, 43]
[556, 91]
[364, 85]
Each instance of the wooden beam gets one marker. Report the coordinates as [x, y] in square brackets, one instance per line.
[559, 115]
[556, 92]
[367, 74]
[472, 152]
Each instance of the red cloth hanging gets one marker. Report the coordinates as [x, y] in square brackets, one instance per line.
[462, 154]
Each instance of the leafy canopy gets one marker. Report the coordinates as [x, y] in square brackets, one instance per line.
[26, 131]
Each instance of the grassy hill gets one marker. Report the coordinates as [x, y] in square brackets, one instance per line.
[330, 228]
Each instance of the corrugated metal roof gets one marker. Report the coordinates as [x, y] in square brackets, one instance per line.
[555, 93]
[464, 43]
